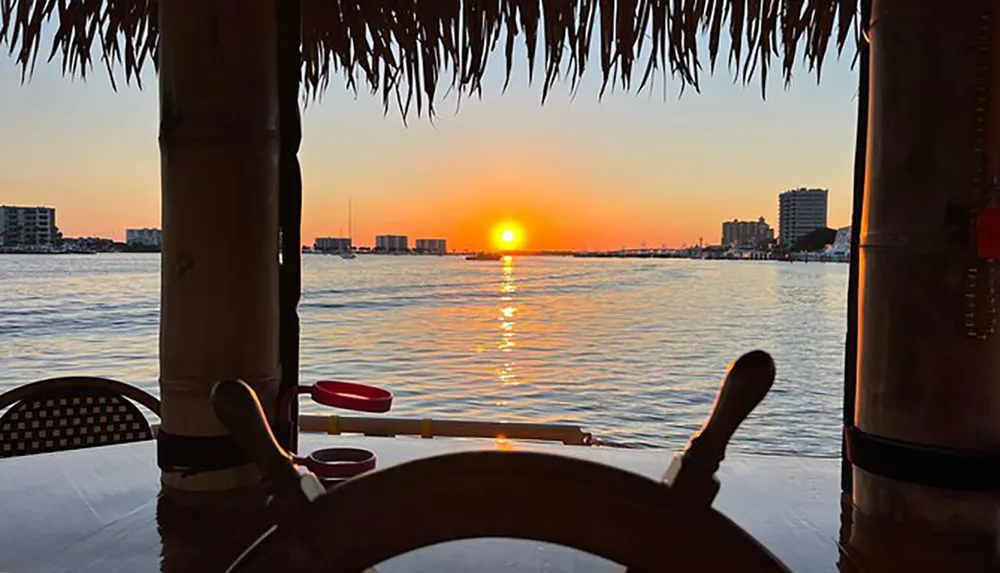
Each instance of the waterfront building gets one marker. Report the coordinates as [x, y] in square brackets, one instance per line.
[841, 246]
[747, 234]
[392, 243]
[800, 212]
[143, 237]
[27, 226]
[333, 245]
[87, 244]
[432, 246]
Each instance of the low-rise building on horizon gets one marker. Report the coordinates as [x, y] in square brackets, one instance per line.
[145, 237]
[27, 226]
[392, 244]
[747, 234]
[432, 246]
[332, 245]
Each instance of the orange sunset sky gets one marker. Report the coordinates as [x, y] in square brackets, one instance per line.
[576, 173]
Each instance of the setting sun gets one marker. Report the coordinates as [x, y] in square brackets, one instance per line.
[508, 236]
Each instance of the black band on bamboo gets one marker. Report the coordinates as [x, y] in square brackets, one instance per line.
[944, 468]
[190, 455]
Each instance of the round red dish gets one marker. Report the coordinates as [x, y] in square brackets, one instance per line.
[351, 396]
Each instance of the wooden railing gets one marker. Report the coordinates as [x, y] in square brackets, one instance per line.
[429, 428]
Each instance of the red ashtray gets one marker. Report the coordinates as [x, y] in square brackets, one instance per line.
[351, 396]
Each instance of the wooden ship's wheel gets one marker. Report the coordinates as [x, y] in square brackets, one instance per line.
[644, 525]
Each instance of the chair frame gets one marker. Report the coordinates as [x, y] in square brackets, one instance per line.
[57, 388]
[137, 395]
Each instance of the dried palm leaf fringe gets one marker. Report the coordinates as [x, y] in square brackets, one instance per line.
[401, 49]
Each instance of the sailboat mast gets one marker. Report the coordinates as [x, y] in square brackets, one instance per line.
[350, 230]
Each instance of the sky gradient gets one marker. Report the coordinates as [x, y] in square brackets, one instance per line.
[575, 173]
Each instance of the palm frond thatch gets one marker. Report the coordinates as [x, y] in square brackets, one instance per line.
[403, 48]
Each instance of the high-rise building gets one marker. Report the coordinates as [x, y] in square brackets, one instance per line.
[432, 246]
[746, 234]
[392, 243]
[332, 244]
[800, 212]
[27, 226]
[144, 237]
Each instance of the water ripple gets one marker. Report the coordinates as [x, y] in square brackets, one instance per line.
[630, 349]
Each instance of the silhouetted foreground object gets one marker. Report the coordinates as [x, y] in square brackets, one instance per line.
[595, 508]
[239, 410]
[109, 519]
[692, 475]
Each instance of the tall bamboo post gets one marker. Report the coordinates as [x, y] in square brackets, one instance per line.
[854, 268]
[928, 398]
[289, 21]
[219, 169]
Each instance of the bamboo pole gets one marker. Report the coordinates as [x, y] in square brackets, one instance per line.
[289, 21]
[205, 531]
[854, 270]
[428, 428]
[219, 171]
[929, 360]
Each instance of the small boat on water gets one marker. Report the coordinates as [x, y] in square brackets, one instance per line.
[349, 253]
[484, 257]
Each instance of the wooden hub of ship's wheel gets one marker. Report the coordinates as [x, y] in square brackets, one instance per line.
[618, 515]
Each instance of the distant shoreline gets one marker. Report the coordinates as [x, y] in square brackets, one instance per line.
[56, 251]
[51, 253]
[804, 257]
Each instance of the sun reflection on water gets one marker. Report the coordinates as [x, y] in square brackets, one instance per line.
[507, 319]
[506, 374]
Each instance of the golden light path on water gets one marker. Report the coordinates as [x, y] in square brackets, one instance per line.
[508, 320]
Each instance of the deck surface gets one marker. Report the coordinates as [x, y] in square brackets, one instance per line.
[97, 510]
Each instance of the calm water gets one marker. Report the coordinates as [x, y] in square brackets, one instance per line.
[630, 349]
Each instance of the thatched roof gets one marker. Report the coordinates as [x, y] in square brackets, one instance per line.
[410, 49]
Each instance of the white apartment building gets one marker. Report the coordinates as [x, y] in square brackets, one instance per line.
[432, 246]
[392, 243]
[144, 237]
[332, 244]
[26, 226]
